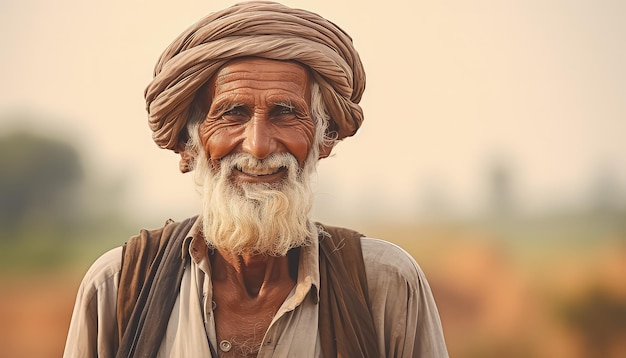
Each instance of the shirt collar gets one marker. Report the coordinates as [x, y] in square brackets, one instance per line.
[194, 243]
[308, 265]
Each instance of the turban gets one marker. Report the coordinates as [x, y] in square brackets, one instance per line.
[262, 29]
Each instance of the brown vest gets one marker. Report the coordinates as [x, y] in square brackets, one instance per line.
[153, 265]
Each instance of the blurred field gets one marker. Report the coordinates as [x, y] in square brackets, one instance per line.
[528, 288]
[35, 310]
[498, 121]
[525, 288]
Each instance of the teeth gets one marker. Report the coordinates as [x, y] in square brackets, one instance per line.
[258, 171]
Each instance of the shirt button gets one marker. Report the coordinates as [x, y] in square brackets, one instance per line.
[225, 346]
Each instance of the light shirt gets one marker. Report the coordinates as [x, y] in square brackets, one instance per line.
[403, 309]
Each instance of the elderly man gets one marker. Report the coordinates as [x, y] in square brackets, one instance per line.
[251, 98]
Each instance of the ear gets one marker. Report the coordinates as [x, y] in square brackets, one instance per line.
[186, 161]
[326, 149]
[186, 156]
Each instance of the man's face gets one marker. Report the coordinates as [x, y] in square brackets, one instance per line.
[259, 107]
[256, 158]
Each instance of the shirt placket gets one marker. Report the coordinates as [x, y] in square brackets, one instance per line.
[208, 305]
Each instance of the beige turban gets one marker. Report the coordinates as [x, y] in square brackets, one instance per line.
[262, 29]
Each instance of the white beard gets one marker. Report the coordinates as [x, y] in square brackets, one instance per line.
[256, 218]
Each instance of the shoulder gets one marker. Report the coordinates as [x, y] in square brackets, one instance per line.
[390, 268]
[403, 307]
[93, 327]
[103, 273]
[389, 262]
[107, 265]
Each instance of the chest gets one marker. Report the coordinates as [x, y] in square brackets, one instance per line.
[240, 333]
[241, 322]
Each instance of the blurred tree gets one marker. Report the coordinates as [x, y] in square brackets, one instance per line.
[605, 193]
[39, 182]
[600, 318]
[500, 185]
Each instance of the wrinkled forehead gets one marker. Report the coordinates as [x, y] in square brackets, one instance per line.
[262, 68]
[254, 73]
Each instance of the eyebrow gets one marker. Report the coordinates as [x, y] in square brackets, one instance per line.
[285, 103]
[288, 101]
[224, 106]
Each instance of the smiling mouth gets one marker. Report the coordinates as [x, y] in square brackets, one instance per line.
[260, 172]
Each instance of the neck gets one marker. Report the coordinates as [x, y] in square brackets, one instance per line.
[254, 273]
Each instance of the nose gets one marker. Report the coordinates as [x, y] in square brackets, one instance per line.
[259, 138]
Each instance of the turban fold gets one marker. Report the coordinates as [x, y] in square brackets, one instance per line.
[262, 29]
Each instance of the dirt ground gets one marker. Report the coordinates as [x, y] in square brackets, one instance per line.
[490, 305]
[35, 312]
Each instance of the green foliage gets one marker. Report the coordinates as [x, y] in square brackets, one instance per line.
[40, 179]
[52, 216]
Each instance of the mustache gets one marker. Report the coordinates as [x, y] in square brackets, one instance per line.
[250, 164]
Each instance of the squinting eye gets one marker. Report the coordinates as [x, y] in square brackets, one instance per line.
[233, 112]
[236, 112]
[286, 110]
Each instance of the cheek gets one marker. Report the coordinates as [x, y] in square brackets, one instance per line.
[299, 141]
[217, 140]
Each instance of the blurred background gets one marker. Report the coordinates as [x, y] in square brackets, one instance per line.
[493, 151]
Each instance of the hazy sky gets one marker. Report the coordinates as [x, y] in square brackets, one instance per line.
[452, 87]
